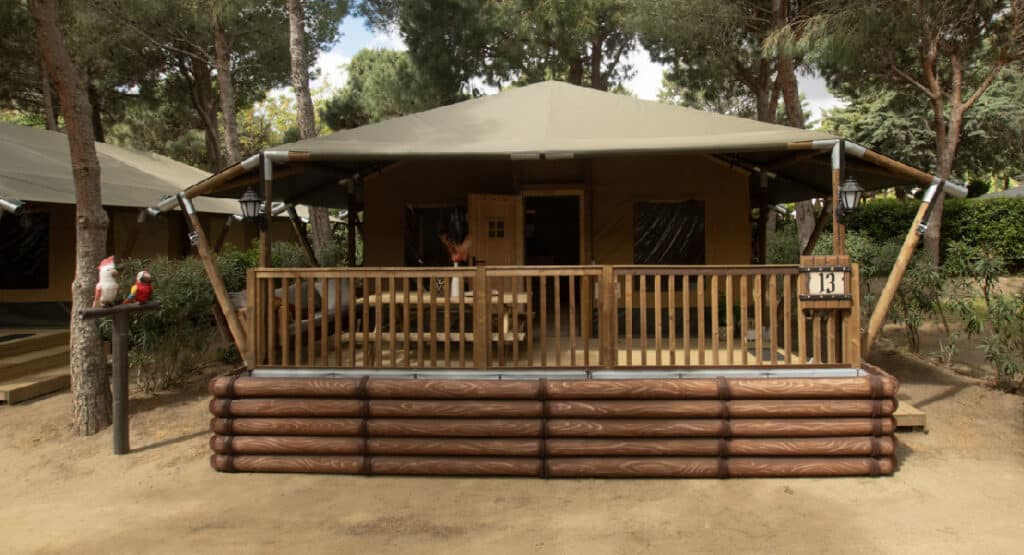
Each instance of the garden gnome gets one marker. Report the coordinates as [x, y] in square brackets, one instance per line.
[142, 289]
[107, 286]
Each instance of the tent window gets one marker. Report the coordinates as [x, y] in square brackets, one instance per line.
[424, 226]
[668, 232]
[25, 251]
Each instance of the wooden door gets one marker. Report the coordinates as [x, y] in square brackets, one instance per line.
[496, 229]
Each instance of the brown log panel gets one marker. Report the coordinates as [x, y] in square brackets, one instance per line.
[245, 386]
[381, 408]
[454, 466]
[711, 409]
[839, 446]
[437, 427]
[748, 467]
[287, 426]
[287, 463]
[692, 427]
[739, 388]
[286, 407]
[452, 389]
[287, 445]
[455, 447]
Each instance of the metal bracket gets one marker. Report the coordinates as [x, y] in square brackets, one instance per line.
[811, 269]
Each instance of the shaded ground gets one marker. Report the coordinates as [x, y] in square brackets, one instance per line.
[960, 488]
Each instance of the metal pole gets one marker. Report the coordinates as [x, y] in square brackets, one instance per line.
[120, 383]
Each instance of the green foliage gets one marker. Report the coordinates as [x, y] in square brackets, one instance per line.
[917, 298]
[456, 42]
[1004, 348]
[381, 84]
[996, 224]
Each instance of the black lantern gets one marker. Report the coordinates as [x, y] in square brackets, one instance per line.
[251, 204]
[849, 195]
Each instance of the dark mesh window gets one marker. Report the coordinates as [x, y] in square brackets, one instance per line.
[668, 232]
[25, 251]
[423, 229]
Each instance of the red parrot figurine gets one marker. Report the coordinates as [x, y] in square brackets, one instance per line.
[142, 289]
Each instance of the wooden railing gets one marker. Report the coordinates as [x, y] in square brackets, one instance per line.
[540, 317]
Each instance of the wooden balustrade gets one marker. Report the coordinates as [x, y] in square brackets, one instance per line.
[541, 317]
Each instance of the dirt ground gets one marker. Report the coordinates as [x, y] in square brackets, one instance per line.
[959, 488]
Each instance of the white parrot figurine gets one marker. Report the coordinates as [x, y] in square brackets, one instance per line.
[107, 286]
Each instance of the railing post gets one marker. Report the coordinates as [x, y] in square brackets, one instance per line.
[481, 327]
[253, 307]
[605, 325]
[851, 326]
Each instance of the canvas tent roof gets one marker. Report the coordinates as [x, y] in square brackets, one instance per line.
[555, 120]
[35, 166]
[1015, 192]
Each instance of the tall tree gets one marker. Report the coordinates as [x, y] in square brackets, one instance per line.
[90, 387]
[456, 42]
[949, 52]
[319, 220]
[381, 84]
[225, 82]
[715, 51]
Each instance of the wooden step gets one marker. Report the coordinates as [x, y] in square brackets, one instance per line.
[36, 339]
[35, 385]
[15, 366]
[910, 417]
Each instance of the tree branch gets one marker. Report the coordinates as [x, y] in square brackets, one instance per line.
[910, 79]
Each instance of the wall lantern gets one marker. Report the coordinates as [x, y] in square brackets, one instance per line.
[251, 204]
[849, 195]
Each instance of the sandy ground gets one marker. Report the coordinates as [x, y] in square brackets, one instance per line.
[960, 488]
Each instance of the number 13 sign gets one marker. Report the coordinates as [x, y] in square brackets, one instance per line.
[824, 282]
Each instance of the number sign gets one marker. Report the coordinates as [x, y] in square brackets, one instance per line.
[824, 282]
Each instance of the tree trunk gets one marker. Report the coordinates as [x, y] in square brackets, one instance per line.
[319, 220]
[201, 92]
[227, 90]
[90, 385]
[93, 97]
[48, 111]
[794, 116]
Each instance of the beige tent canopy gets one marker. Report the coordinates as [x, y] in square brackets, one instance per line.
[555, 120]
[35, 166]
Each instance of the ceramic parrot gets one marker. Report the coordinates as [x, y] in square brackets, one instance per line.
[107, 286]
[142, 289]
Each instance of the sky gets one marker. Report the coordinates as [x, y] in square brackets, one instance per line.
[644, 84]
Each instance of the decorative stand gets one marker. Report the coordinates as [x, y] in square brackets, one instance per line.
[120, 315]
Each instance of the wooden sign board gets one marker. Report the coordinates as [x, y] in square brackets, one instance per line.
[825, 283]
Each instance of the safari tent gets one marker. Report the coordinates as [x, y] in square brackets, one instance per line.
[610, 312]
[37, 219]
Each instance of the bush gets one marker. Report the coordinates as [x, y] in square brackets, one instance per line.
[995, 224]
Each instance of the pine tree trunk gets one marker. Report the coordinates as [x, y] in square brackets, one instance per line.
[48, 111]
[319, 220]
[227, 90]
[794, 117]
[90, 385]
[93, 97]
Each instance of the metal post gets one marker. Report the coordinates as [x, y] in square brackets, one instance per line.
[120, 383]
[119, 314]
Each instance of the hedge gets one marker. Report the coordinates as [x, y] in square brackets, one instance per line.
[995, 224]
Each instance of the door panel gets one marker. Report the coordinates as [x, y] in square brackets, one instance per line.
[494, 222]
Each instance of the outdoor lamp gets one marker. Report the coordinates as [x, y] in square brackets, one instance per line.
[849, 195]
[251, 204]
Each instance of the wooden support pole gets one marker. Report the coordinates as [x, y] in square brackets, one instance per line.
[219, 243]
[819, 227]
[300, 233]
[266, 179]
[350, 223]
[606, 315]
[881, 311]
[220, 291]
[119, 383]
[838, 168]
[762, 219]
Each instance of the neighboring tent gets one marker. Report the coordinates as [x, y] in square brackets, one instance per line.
[1015, 192]
[554, 120]
[35, 166]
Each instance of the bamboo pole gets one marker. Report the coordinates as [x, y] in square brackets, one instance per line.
[220, 291]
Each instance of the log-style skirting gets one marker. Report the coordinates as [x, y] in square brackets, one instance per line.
[671, 427]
